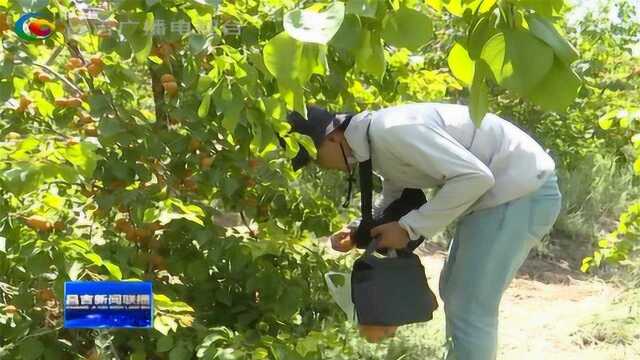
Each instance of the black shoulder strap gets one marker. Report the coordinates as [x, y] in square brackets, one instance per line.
[366, 184]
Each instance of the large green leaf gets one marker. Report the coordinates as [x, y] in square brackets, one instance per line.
[459, 7]
[479, 103]
[530, 58]
[461, 64]
[349, 35]
[313, 60]
[544, 30]
[203, 109]
[141, 37]
[293, 94]
[557, 90]
[365, 8]
[315, 27]
[83, 157]
[493, 54]
[370, 56]
[407, 28]
[280, 56]
[543, 7]
[518, 60]
[481, 33]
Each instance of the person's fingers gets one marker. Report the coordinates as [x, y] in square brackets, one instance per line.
[346, 245]
[339, 235]
[341, 242]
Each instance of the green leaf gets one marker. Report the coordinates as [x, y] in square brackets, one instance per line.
[314, 27]
[293, 95]
[370, 56]
[605, 122]
[95, 258]
[349, 35]
[313, 60]
[460, 7]
[165, 343]
[203, 109]
[482, 32]
[493, 54]
[162, 324]
[529, 59]
[479, 103]
[365, 8]
[544, 30]
[54, 201]
[461, 65]
[167, 214]
[83, 157]
[31, 349]
[544, 7]
[141, 37]
[281, 56]
[114, 269]
[557, 90]
[21, 178]
[407, 28]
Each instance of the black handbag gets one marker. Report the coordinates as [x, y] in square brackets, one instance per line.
[389, 290]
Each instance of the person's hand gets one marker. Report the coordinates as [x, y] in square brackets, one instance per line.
[341, 241]
[392, 235]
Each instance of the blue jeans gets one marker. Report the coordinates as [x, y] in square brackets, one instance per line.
[488, 248]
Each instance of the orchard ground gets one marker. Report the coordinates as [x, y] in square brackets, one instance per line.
[550, 311]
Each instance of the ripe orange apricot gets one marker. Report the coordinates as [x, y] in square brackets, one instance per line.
[170, 87]
[94, 69]
[376, 333]
[167, 78]
[38, 223]
[194, 144]
[206, 162]
[75, 63]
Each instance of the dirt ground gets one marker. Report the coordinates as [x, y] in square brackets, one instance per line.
[541, 309]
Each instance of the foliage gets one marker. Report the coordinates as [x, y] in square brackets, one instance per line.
[613, 68]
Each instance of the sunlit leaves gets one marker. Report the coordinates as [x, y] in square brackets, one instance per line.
[461, 65]
[407, 28]
[365, 8]
[528, 61]
[557, 90]
[83, 157]
[370, 57]
[312, 26]
[545, 31]
[479, 102]
[349, 35]
[493, 53]
[460, 7]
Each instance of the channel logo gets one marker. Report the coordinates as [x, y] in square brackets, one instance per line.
[33, 27]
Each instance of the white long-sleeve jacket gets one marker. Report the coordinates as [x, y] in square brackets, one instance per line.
[426, 145]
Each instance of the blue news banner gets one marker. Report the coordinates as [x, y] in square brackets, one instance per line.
[108, 304]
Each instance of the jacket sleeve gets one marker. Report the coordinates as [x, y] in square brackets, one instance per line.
[435, 153]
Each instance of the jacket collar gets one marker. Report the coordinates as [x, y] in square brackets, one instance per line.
[356, 135]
